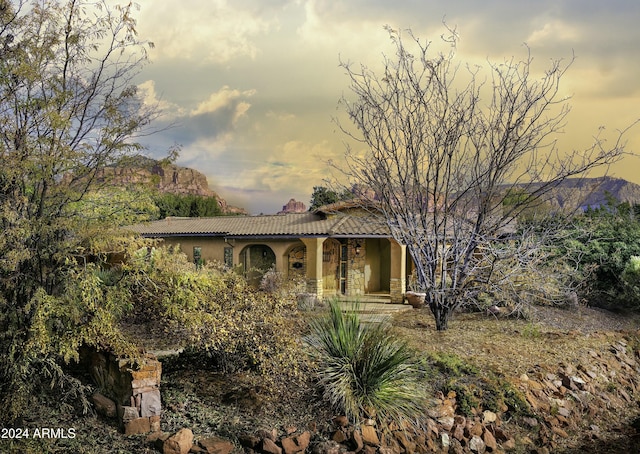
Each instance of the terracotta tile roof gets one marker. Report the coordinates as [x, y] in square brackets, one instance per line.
[281, 225]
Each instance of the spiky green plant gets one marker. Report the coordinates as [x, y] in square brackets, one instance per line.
[365, 369]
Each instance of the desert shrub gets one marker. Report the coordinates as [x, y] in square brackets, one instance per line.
[601, 245]
[366, 371]
[214, 311]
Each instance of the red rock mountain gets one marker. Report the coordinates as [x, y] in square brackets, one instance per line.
[169, 178]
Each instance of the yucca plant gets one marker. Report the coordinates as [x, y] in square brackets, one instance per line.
[365, 369]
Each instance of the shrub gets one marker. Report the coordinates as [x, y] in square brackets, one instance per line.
[365, 370]
[215, 311]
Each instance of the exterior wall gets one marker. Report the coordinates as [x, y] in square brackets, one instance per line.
[212, 247]
[379, 265]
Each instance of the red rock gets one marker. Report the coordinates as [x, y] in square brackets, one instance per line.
[356, 438]
[370, 436]
[339, 436]
[104, 405]
[303, 440]
[341, 421]
[489, 441]
[179, 443]
[137, 426]
[270, 447]
[216, 445]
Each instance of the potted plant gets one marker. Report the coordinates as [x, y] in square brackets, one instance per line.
[413, 296]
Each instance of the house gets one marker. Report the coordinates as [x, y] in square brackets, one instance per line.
[336, 250]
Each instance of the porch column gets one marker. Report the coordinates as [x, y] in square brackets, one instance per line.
[315, 284]
[398, 284]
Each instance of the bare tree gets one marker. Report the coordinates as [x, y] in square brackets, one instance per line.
[454, 156]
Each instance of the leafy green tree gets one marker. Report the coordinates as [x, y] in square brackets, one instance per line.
[186, 205]
[324, 196]
[68, 107]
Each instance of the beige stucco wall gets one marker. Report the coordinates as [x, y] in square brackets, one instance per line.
[213, 249]
[365, 271]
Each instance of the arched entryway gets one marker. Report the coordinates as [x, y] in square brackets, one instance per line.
[256, 260]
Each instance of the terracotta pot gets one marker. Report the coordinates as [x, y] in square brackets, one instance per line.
[415, 299]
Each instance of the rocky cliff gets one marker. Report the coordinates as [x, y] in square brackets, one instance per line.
[169, 178]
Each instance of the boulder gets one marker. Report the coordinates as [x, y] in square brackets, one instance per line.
[104, 405]
[216, 445]
[178, 443]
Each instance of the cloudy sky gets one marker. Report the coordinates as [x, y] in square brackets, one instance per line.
[252, 86]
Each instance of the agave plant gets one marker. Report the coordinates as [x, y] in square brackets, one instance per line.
[365, 369]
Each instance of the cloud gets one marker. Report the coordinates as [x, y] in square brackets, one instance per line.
[551, 32]
[169, 111]
[225, 99]
[208, 31]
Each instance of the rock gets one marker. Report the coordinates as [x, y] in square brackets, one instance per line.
[293, 206]
[444, 439]
[477, 445]
[341, 421]
[405, 442]
[488, 417]
[150, 404]
[446, 422]
[271, 434]
[356, 438]
[249, 441]
[559, 431]
[179, 443]
[329, 447]
[269, 446]
[104, 405]
[370, 450]
[137, 426]
[489, 441]
[128, 413]
[216, 445]
[339, 436]
[370, 436]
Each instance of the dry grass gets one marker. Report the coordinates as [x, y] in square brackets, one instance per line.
[513, 347]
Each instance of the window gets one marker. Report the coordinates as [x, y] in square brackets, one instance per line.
[197, 256]
[228, 257]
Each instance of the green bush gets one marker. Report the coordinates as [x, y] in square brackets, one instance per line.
[601, 246]
[365, 370]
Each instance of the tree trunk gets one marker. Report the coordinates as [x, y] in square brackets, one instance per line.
[441, 314]
[441, 309]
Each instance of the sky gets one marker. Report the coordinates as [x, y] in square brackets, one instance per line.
[251, 88]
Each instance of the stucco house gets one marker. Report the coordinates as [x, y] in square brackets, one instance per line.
[337, 252]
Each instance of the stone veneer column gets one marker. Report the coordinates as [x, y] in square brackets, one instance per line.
[315, 284]
[398, 284]
[133, 388]
[355, 267]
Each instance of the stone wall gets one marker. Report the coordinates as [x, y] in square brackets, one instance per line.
[133, 388]
[355, 267]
